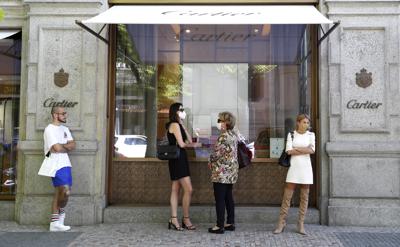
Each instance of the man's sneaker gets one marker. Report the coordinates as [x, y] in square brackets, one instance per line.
[61, 218]
[55, 226]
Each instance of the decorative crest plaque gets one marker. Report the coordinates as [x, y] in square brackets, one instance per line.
[61, 78]
[363, 79]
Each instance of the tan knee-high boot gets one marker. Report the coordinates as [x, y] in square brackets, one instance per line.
[287, 196]
[302, 210]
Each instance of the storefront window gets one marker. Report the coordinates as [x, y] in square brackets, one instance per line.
[260, 73]
[10, 71]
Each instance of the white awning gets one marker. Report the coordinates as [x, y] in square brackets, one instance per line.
[7, 33]
[210, 14]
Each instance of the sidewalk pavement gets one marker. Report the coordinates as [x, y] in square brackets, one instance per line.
[148, 235]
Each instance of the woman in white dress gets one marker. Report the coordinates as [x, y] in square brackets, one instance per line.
[300, 146]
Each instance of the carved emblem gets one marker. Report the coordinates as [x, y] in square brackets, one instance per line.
[363, 79]
[61, 78]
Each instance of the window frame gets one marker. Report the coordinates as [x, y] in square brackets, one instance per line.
[268, 161]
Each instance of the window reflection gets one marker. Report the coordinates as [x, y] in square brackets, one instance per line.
[261, 73]
[10, 71]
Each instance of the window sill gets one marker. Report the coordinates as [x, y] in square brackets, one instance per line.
[255, 160]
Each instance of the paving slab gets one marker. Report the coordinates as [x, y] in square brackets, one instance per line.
[156, 234]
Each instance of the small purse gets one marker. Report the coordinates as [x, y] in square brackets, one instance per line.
[284, 159]
[244, 155]
[168, 152]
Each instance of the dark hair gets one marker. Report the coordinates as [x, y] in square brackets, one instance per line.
[54, 109]
[173, 109]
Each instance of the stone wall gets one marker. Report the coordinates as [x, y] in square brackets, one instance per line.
[359, 107]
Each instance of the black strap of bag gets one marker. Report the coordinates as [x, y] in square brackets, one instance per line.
[284, 159]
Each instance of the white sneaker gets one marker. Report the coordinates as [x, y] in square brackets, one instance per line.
[55, 226]
[61, 218]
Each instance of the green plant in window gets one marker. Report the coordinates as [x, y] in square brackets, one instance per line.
[127, 54]
[1, 14]
[169, 87]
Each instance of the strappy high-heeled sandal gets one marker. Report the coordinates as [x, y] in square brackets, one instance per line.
[173, 226]
[190, 228]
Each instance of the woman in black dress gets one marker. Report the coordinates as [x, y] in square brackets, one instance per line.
[179, 168]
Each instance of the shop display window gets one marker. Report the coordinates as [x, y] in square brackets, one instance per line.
[10, 71]
[260, 73]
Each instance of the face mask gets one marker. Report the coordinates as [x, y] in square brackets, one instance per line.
[219, 126]
[182, 115]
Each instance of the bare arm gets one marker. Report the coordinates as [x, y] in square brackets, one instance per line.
[70, 145]
[58, 148]
[300, 151]
[174, 129]
[189, 140]
[293, 151]
[307, 150]
[63, 148]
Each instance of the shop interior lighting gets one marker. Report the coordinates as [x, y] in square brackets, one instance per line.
[266, 29]
[176, 28]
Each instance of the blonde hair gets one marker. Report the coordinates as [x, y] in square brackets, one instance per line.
[300, 117]
[228, 118]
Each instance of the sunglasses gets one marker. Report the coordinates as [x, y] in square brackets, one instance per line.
[219, 121]
[181, 110]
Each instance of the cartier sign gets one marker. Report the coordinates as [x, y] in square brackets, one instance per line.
[216, 13]
[368, 104]
[50, 102]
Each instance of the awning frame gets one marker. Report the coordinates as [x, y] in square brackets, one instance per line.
[6, 53]
[91, 31]
[97, 34]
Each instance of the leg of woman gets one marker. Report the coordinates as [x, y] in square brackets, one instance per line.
[287, 197]
[186, 184]
[230, 205]
[219, 194]
[304, 191]
[174, 202]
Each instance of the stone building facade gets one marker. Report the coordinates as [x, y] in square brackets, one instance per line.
[358, 109]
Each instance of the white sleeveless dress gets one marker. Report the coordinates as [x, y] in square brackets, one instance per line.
[300, 171]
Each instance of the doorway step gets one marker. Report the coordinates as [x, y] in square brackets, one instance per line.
[202, 214]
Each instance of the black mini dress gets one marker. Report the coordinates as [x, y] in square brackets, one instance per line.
[178, 168]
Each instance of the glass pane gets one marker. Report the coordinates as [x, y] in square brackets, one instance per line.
[10, 71]
[260, 73]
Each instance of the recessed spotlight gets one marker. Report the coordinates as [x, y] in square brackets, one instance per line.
[187, 31]
[256, 30]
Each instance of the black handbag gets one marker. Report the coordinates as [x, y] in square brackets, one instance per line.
[284, 159]
[244, 155]
[168, 152]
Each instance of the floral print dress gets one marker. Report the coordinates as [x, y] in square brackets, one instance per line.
[223, 159]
